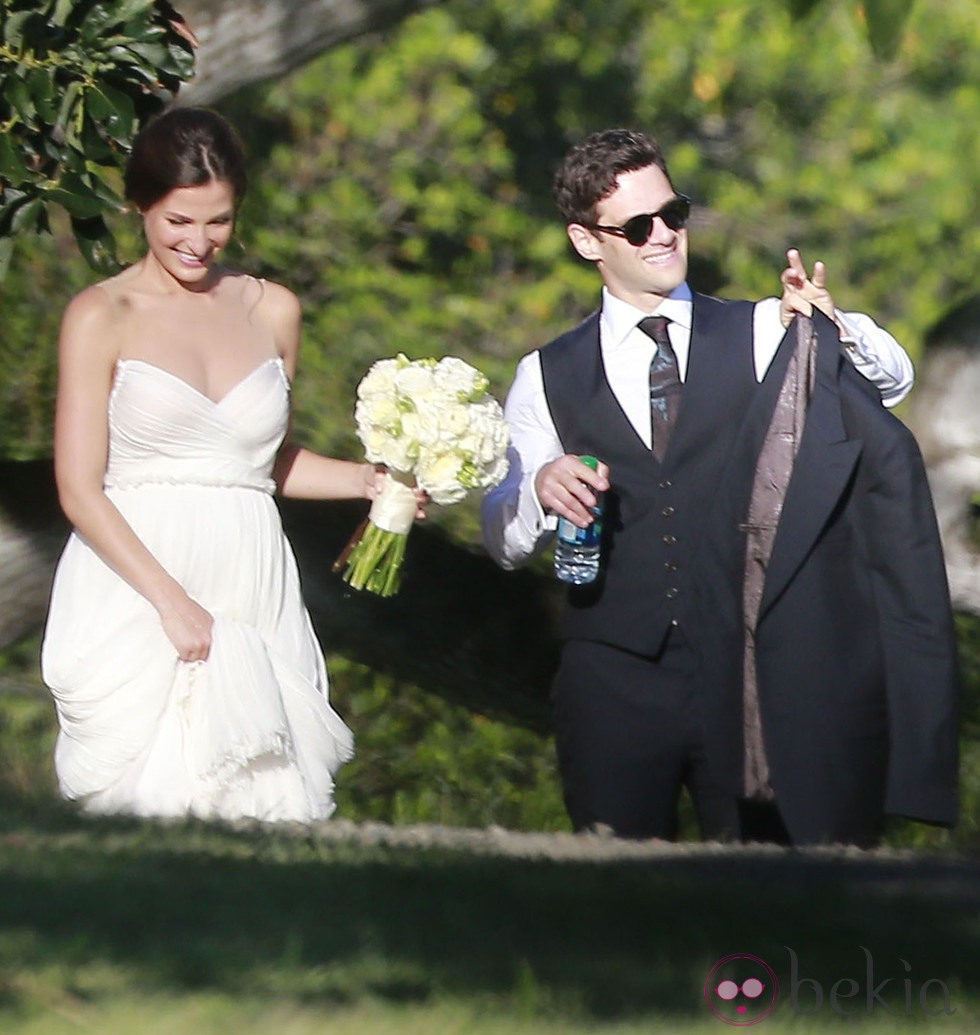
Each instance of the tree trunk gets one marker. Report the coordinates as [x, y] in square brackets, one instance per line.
[32, 532]
[244, 41]
[460, 627]
[945, 418]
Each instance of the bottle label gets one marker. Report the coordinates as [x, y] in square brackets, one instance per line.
[575, 536]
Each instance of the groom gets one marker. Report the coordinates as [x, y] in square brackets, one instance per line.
[660, 402]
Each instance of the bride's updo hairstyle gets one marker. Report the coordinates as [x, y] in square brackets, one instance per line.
[184, 147]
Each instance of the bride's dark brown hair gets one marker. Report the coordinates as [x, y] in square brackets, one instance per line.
[184, 147]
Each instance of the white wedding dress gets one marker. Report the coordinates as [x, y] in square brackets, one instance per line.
[250, 731]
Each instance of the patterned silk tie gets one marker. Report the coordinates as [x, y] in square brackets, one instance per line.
[665, 384]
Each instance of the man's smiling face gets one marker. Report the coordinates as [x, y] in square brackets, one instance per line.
[644, 274]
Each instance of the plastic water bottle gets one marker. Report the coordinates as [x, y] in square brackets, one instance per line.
[578, 550]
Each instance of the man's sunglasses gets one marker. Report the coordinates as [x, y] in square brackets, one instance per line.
[637, 230]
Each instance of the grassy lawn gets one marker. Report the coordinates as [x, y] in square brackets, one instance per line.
[121, 927]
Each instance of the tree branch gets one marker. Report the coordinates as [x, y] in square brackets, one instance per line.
[245, 41]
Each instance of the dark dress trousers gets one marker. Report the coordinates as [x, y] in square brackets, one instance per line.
[855, 649]
[626, 698]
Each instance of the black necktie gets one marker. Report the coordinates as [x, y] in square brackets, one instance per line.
[665, 384]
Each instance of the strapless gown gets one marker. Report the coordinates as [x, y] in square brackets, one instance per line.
[249, 732]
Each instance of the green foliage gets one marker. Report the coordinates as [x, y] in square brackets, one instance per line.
[77, 78]
[404, 227]
[794, 134]
[32, 297]
[422, 759]
[402, 184]
[884, 20]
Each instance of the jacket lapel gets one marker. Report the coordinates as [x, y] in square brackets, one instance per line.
[822, 470]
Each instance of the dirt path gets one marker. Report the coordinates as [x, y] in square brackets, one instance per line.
[953, 875]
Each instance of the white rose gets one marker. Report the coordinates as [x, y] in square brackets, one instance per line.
[458, 379]
[410, 426]
[455, 420]
[413, 381]
[430, 427]
[374, 441]
[380, 379]
[379, 410]
[438, 474]
[399, 453]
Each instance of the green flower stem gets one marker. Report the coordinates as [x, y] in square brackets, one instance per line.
[375, 561]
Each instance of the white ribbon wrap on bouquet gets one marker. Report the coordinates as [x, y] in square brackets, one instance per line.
[393, 510]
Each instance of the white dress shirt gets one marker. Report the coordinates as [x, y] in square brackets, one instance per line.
[515, 526]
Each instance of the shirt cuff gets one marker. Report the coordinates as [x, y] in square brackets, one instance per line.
[530, 513]
[850, 336]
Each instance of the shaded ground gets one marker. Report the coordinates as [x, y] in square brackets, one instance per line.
[585, 927]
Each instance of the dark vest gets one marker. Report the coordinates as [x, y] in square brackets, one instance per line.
[655, 512]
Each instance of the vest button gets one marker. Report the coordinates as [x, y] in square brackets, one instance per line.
[672, 592]
[670, 566]
[666, 483]
[670, 539]
[667, 511]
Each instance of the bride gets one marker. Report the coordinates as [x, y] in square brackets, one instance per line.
[184, 668]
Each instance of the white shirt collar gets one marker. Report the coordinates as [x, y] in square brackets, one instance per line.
[619, 317]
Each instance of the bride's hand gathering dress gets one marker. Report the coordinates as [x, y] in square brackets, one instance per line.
[249, 732]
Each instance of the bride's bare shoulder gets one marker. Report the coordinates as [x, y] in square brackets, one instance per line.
[91, 307]
[105, 297]
[275, 303]
[97, 319]
[268, 294]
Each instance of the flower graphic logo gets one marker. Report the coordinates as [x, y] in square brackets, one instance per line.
[741, 989]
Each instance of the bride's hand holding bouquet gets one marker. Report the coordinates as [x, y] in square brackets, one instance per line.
[438, 433]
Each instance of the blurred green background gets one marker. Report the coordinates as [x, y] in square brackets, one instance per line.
[401, 185]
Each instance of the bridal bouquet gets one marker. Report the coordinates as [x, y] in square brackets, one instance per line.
[435, 427]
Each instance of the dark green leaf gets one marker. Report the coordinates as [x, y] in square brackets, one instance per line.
[128, 9]
[102, 190]
[144, 28]
[20, 100]
[96, 21]
[13, 28]
[154, 54]
[886, 25]
[96, 243]
[93, 143]
[12, 167]
[28, 216]
[77, 197]
[66, 113]
[20, 212]
[37, 34]
[113, 110]
[60, 12]
[181, 60]
[43, 90]
[12, 199]
[124, 58]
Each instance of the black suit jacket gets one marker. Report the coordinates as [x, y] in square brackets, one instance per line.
[856, 654]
